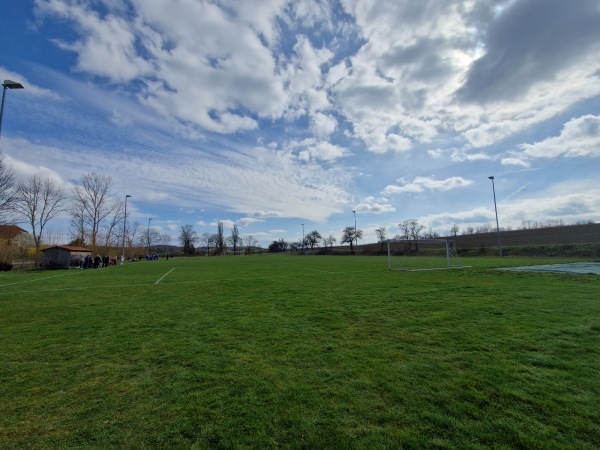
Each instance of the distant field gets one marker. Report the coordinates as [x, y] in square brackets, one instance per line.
[299, 351]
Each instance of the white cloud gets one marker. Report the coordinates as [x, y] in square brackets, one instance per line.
[227, 224]
[514, 162]
[198, 63]
[322, 151]
[436, 153]
[579, 137]
[266, 214]
[571, 202]
[323, 125]
[445, 220]
[461, 155]
[557, 202]
[422, 184]
[423, 67]
[245, 221]
[24, 170]
[156, 196]
[30, 88]
[374, 206]
[248, 181]
[417, 80]
[108, 45]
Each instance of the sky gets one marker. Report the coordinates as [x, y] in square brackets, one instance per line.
[285, 117]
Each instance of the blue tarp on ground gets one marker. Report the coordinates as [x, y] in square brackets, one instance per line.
[580, 267]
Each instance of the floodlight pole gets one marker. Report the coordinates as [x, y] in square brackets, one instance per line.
[303, 239]
[497, 225]
[355, 235]
[124, 222]
[148, 235]
[8, 84]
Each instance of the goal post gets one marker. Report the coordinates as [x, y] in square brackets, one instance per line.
[422, 254]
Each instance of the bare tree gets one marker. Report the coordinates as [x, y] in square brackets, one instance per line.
[188, 238]
[92, 193]
[380, 236]
[77, 225]
[329, 241]
[164, 239]
[454, 230]
[220, 239]
[235, 237]
[132, 232]
[7, 184]
[415, 229]
[431, 234]
[113, 224]
[349, 235]
[251, 243]
[37, 201]
[312, 239]
[206, 238]
[487, 228]
[148, 238]
[212, 240]
[404, 229]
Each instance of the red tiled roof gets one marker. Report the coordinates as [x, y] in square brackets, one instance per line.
[10, 231]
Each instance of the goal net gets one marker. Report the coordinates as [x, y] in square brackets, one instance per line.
[422, 254]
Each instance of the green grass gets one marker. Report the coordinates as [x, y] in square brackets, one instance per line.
[289, 351]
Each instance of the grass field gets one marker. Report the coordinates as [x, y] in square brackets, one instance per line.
[290, 351]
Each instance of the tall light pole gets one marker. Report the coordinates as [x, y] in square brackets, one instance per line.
[355, 236]
[8, 84]
[497, 225]
[303, 239]
[148, 235]
[124, 224]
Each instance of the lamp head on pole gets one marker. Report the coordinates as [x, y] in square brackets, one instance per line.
[491, 178]
[8, 84]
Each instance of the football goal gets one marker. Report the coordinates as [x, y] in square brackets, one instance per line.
[422, 254]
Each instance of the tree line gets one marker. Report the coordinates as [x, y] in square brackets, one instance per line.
[97, 215]
[410, 229]
[350, 235]
[216, 243]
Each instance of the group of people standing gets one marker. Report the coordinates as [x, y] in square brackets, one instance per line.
[96, 262]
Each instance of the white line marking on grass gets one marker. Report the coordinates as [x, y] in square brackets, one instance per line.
[317, 270]
[82, 288]
[348, 271]
[31, 281]
[162, 278]
[181, 282]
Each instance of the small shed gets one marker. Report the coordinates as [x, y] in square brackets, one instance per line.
[63, 256]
